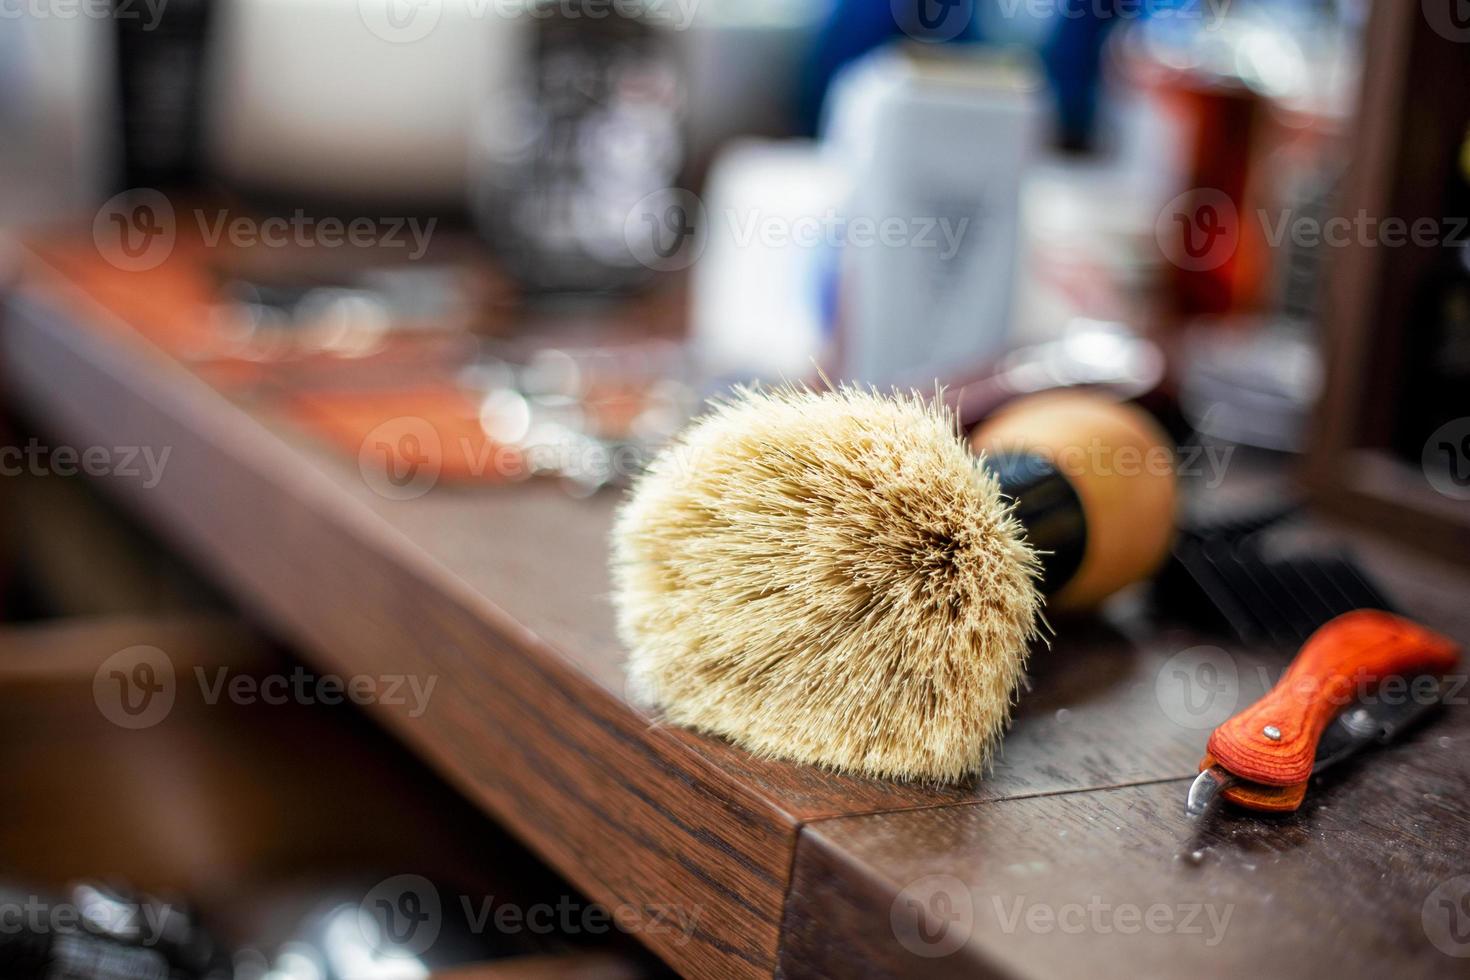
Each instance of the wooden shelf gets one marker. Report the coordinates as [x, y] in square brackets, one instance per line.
[500, 594]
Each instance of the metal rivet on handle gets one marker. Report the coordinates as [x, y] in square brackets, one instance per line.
[1272, 732]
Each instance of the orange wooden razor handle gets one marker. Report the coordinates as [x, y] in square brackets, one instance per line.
[1259, 797]
[1274, 741]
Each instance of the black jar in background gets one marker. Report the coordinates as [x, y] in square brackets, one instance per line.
[161, 50]
[582, 155]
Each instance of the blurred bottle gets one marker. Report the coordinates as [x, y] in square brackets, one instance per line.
[1194, 76]
[1220, 71]
[1253, 374]
[776, 332]
[935, 141]
[744, 61]
[1073, 59]
[160, 66]
[853, 28]
[583, 149]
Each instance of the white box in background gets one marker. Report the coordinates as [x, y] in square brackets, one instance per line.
[757, 288]
[937, 141]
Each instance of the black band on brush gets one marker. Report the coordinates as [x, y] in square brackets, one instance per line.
[1048, 506]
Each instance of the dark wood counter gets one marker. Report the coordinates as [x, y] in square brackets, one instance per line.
[499, 594]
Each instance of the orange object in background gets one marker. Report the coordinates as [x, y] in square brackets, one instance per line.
[397, 411]
[1216, 252]
[1223, 119]
[405, 440]
[170, 304]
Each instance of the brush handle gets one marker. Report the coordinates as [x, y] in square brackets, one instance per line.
[1049, 509]
[1119, 466]
[1274, 741]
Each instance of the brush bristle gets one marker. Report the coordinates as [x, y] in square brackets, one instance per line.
[829, 578]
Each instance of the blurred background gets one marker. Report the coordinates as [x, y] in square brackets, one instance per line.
[1135, 194]
[521, 241]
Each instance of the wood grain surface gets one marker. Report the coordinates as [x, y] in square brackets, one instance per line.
[499, 595]
[1066, 885]
[1371, 877]
[1120, 883]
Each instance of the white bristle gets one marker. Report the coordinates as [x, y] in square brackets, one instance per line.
[829, 578]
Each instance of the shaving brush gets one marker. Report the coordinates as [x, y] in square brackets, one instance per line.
[834, 578]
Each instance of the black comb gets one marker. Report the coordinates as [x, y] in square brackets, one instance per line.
[1222, 576]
